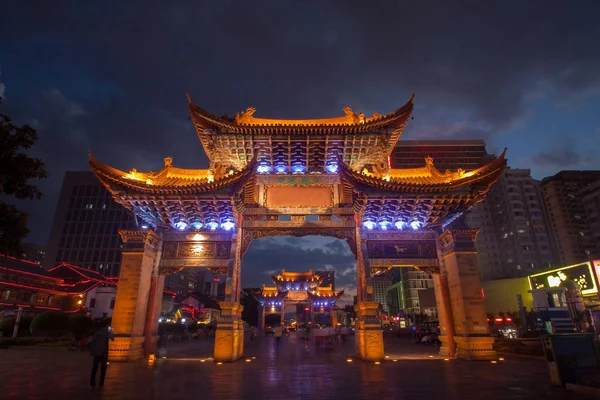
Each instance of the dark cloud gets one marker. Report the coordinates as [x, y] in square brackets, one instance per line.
[561, 158]
[112, 76]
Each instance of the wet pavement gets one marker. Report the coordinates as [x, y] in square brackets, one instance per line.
[295, 370]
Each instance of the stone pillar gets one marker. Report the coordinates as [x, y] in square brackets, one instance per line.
[471, 330]
[334, 319]
[139, 254]
[229, 337]
[442, 298]
[261, 318]
[368, 333]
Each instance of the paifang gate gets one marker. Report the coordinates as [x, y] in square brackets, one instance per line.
[265, 177]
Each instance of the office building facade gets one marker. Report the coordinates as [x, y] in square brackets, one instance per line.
[564, 201]
[515, 237]
[85, 227]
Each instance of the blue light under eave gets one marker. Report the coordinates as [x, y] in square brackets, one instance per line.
[263, 169]
[228, 225]
[280, 169]
[212, 225]
[181, 225]
[332, 168]
[400, 225]
[197, 225]
[416, 225]
[298, 169]
[385, 225]
[369, 225]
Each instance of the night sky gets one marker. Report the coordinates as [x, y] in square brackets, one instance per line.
[113, 78]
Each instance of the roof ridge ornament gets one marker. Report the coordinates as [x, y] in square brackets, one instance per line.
[168, 161]
[429, 161]
[245, 116]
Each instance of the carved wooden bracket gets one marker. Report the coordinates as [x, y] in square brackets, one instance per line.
[347, 234]
[142, 236]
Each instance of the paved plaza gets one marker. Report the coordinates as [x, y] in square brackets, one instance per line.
[294, 371]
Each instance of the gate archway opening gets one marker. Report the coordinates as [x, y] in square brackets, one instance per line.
[303, 276]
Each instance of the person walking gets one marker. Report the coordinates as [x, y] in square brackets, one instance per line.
[278, 333]
[99, 350]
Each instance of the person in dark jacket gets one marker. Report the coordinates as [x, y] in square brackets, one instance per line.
[99, 350]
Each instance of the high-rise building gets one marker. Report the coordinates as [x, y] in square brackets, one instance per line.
[380, 285]
[590, 196]
[413, 280]
[85, 227]
[328, 278]
[515, 236]
[396, 275]
[565, 206]
[85, 230]
[447, 154]
[33, 252]
[395, 298]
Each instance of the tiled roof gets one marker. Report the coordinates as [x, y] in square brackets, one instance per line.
[24, 266]
[169, 180]
[428, 178]
[350, 124]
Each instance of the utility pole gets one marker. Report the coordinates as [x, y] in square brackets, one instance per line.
[522, 313]
[17, 322]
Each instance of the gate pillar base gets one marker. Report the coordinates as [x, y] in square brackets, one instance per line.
[126, 348]
[229, 337]
[369, 336]
[475, 348]
[445, 349]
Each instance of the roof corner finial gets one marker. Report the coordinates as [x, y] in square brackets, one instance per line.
[189, 98]
[245, 117]
[90, 154]
[168, 161]
[429, 161]
[412, 98]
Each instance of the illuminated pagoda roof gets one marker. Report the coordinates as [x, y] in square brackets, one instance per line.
[352, 147]
[325, 292]
[427, 178]
[298, 277]
[419, 197]
[314, 291]
[168, 181]
[175, 197]
[301, 145]
[271, 292]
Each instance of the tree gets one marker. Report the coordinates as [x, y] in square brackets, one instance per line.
[250, 312]
[50, 324]
[16, 170]
[80, 325]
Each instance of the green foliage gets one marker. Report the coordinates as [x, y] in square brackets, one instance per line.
[16, 170]
[7, 326]
[80, 325]
[51, 324]
[250, 311]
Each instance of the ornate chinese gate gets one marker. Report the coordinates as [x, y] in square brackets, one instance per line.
[300, 177]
